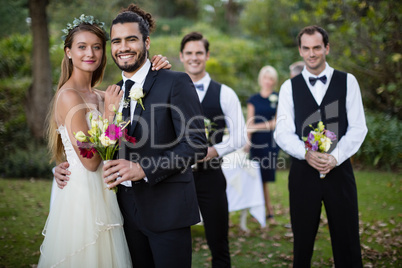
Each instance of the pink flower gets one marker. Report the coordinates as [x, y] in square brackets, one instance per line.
[113, 132]
[310, 137]
[331, 135]
[314, 146]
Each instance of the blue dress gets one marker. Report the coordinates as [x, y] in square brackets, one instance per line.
[263, 147]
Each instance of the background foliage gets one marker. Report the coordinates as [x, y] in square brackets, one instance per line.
[365, 40]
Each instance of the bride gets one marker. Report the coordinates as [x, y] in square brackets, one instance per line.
[84, 227]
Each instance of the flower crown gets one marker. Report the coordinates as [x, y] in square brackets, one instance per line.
[83, 19]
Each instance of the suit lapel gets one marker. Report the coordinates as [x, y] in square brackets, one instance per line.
[149, 81]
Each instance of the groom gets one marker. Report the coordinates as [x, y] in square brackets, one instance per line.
[156, 191]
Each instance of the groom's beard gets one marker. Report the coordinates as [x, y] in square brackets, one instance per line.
[136, 65]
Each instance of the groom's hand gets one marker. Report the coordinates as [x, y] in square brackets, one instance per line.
[317, 160]
[331, 163]
[212, 153]
[61, 174]
[117, 171]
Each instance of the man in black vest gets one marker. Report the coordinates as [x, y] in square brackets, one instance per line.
[321, 93]
[222, 107]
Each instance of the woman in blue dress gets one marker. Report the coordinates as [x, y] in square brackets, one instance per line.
[261, 111]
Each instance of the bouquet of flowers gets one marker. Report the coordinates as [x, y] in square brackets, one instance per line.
[104, 137]
[319, 139]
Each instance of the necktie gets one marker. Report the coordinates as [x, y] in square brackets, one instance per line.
[313, 80]
[200, 87]
[126, 110]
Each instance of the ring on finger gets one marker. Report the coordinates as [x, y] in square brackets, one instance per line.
[118, 174]
[167, 62]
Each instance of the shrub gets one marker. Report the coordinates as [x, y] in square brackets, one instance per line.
[13, 127]
[32, 161]
[382, 146]
[171, 26]
[15, 55]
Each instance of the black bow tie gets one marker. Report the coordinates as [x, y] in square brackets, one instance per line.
[313, 80]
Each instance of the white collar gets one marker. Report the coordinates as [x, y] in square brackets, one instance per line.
[204, 81]
[327, 71]
[140, 75]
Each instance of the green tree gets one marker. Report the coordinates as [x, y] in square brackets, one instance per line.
[174, 8]
[367, 42]
[13, 17]
[365, 39]
[223, 15]
[274, 20]
[40, 92]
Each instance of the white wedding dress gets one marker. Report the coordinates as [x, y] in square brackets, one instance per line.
[85, 226]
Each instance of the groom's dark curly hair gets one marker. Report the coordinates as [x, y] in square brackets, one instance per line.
[134, 13]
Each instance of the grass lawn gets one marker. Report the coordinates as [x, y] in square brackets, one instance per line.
[24, 206]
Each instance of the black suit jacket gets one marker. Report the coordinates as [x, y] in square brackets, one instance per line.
[170, 137]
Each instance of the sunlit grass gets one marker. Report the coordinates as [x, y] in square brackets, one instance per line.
[380, 214]
[24, 205]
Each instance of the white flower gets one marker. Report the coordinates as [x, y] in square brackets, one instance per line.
[273, 98]
[119, 117]
[325, 144]
[80, 136]
[124, 102]
[106, 141]
[94, 123]
[105, 124]
[137, 94]
[97, 122]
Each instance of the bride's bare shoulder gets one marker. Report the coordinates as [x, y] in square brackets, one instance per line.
[68, 97]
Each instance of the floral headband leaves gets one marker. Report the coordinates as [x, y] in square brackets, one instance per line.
[83, 19]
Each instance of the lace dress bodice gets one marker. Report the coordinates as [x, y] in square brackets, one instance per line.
[71, 155]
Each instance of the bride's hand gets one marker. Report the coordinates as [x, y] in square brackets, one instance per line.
[113, 96]
[160, 62]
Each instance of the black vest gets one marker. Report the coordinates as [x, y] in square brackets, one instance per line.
[211, 105]
[331, 111]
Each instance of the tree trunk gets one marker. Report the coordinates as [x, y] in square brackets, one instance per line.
[40, 92]
[231, 14]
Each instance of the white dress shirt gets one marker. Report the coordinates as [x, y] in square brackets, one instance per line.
[285, 132]
[234, 118]
[139, 79]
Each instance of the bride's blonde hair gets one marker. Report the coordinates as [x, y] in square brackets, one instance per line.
[55, 144]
